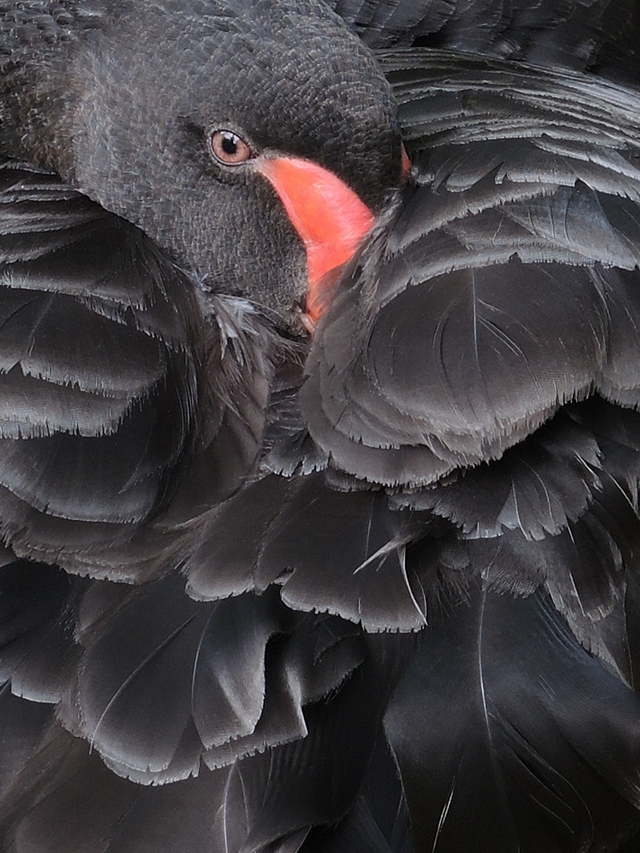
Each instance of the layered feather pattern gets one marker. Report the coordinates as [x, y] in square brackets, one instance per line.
[371, 588]
[507, 272]
[98, 369]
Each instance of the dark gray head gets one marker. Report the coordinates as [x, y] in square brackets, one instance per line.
[123, 107]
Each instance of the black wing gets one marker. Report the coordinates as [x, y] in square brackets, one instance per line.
[107, 407]
[598, 35]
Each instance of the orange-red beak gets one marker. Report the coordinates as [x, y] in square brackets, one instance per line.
[405, 172]
[330, 218]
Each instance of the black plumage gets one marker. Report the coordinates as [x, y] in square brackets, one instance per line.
[285, 579]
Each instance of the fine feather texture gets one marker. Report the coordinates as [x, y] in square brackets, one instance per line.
[98, 372]
[336, 553]
[368, 588]
[550, 763]
[510, 283]
[595, 34]
[262, 803]
[183, 678]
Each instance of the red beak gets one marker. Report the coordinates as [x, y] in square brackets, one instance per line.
[330, 218]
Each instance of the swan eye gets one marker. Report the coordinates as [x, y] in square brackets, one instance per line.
[229, 149]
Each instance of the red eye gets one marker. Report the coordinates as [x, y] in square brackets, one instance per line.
[228, 148]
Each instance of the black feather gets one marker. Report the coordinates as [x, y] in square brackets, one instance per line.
[506, 710]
